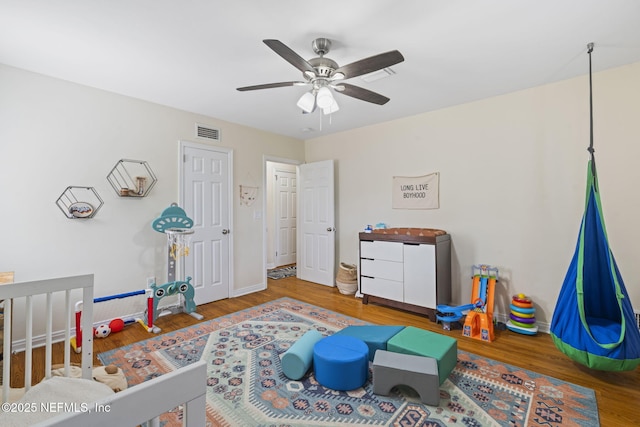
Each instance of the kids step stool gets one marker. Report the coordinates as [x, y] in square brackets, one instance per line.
[418, 372]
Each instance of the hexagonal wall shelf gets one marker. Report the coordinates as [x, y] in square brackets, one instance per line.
[132, 178]
[79, 202]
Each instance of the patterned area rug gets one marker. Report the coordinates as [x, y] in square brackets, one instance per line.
[280, 273]
[246, 386]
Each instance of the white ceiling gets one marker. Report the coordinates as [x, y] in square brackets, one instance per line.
[193, 54]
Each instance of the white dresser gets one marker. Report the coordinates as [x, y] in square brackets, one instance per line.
[408, 271]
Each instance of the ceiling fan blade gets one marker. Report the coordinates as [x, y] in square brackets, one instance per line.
[370, 64]
[290, 56]
[270, 86]
[361, 93]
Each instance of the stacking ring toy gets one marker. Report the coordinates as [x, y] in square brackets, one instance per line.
[522, 316]
[522, 304]
[522, 319]
[529, 310]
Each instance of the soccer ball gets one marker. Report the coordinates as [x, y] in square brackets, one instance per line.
[102, 331]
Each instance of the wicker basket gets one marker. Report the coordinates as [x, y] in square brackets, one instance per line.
[347, 279]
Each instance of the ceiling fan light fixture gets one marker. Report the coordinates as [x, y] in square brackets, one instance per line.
[306, 102]
[331, 108]
[324, 98]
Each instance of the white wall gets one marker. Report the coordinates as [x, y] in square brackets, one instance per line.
[54, 134]
[512, 181]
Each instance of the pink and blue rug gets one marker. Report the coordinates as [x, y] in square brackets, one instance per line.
[246, 386]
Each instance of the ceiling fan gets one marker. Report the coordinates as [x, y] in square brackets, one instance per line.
[322, 73]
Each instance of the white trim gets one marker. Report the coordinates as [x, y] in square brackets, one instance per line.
[246, 290]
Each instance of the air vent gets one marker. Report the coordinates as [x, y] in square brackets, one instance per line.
[207, 132]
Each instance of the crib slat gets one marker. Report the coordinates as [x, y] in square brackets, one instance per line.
[28, 351]
[6, 345]
[87, 325]
[67, 332]
[48, 338]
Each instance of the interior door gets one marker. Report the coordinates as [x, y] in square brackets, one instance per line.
[205, 197]
[286, 217]
[316, 223]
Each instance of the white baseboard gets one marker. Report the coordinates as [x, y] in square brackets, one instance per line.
[248, 290]
[20, 345]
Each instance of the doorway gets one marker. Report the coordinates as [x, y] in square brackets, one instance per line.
[312, 204]
[281, 213]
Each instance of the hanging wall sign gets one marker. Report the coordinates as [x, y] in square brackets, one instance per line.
[416, 192]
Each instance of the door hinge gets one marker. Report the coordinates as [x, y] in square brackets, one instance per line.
[184, 158]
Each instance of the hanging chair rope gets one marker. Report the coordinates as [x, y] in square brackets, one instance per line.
[591, 150]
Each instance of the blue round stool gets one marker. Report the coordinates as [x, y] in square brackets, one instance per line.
[341, 362]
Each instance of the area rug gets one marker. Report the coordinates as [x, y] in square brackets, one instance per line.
[282, 272]
[246, 386]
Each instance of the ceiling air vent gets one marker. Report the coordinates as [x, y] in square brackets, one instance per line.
[207, 132]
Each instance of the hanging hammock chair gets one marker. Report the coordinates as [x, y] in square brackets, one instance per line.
[594, 322]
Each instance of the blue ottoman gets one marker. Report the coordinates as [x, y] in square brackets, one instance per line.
[298, 359]
[341, 362]
[374, 336]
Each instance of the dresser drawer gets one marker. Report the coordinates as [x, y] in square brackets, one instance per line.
[389, 251]
[388, 289]
[390, 270]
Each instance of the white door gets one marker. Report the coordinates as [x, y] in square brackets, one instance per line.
[286, 206]
[205, 197]
[316, 227]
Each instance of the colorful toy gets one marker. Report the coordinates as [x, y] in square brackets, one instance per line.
[115, 325]
[448, 315]
[175, 223]
[479, 314]
[102, 331]
[184, 289]
[479, 322]
[522, 318]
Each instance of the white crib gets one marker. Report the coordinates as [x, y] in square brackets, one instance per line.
[42, 404]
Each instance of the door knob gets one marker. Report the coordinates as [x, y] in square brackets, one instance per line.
[331, 229]
[225, 231]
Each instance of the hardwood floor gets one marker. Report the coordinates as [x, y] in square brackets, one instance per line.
[617, 393]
